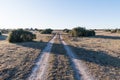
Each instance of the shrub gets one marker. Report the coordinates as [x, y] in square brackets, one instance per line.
[21, 36]
[108, 30]
[0, 33]
[46, 31]
[40, 30]
[90, 33]
[114, 31]
[66, 30]
[5, 31]
[118, 30]
[79, 31]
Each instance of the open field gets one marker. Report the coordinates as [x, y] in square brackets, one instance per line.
[17, 60]
[101, 54]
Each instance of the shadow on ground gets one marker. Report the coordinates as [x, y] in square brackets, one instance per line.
[106, 37]
[98, 57]
[3, 37]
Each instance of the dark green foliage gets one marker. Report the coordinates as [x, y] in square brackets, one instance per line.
[21, 36]
[46, 31]
[66, 30]
[108, 30]
[0, 33]
[90, 33]
[118, 30]
[79, 31]
[5, 31]
[40, 30]
[114, 31]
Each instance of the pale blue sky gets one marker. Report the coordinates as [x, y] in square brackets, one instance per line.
[59, 14]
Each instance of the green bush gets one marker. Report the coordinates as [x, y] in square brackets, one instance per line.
[79, 31]
[89, 33]
[108, 30]
[46, 31]
[118, 30]
[21, 36]
[114, 31]
[66, 30]
[0, 33]
[40, 30]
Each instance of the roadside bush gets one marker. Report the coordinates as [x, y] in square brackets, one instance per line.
[40, 30]
[5, 31]
[90, 33]
[46, 31]
[114, 31]
[0, 33]
[79, 31]
[21, 36]
[66, 30]
[108, 30]
[118, 30]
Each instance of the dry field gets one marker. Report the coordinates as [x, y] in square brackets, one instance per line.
[101, 54]
[17, 59]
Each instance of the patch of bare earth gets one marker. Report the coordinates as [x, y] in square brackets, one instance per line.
[101, 54]
[17, 60]
[59, 64]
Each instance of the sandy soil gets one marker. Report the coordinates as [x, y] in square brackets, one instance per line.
[39, 69]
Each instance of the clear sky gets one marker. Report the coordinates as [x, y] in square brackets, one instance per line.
[59, 14]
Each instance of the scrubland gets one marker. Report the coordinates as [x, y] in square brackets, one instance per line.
[17, 59]
[100, 53]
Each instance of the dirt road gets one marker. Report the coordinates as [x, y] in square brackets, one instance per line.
[38, 72]
[39, 69]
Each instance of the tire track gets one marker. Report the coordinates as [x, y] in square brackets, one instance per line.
[39, 69]
[59, 63]
[80, 68]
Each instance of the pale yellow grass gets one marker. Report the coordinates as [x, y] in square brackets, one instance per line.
[101, 54]
[17, 60]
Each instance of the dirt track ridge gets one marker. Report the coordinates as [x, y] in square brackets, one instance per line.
[79, 67]
[39, 69]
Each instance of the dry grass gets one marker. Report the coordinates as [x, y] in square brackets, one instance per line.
[43, 37]
[59, 64]
[16, 60]
[101, 54]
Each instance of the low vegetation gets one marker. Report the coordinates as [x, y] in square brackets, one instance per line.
[17, 60]
[46, 31]
[100, 54]
[5, 31]
[79, 31]
[113, 30]
[66, 30]
[21, 35]
[0, 33]
[43, 37]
